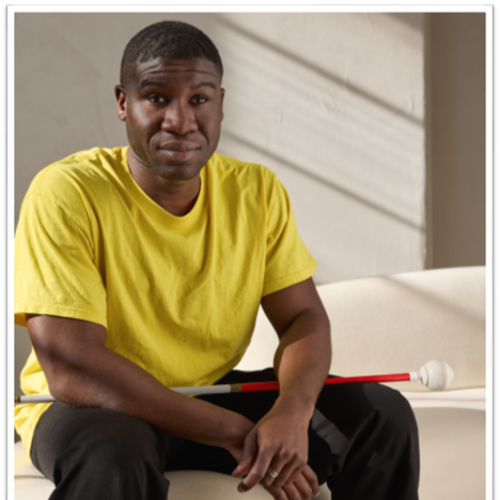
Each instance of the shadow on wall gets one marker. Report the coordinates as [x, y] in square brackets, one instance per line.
[338, 115]
[344, 138]
[420, 316]
[425, 317]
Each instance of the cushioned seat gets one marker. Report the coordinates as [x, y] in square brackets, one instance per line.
[30, 483]
[453, 452]
[451, 439]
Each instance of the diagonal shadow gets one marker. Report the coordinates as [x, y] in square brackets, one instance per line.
[326, 182]
[435, 298]
[317, 69]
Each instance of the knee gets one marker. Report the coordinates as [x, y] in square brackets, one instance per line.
[106, 469]
[112, 451]
[393, 411]
[106, 455]
[127, 448]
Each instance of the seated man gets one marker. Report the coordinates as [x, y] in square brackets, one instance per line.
[141, 268]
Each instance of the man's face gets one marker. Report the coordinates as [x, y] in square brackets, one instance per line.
[173, 113]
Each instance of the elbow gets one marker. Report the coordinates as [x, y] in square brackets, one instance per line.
[68, 351]
[66, 383]
[61, 389]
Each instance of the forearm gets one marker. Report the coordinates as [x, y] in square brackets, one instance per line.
[301, 364]
[280, 440]
[303, 357]
[107, 380]
[81, 371]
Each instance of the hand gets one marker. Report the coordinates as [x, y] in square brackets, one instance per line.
[278, 441]
[304, 487]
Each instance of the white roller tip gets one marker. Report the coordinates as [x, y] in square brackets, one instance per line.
[436, 374]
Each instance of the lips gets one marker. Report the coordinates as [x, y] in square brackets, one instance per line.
[179, 146]
[179, 151]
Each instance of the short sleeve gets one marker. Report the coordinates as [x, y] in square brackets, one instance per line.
[287, 259]
[55, 273]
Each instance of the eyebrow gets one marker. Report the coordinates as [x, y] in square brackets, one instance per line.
[151, 83]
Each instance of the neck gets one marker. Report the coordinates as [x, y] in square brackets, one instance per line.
[176, 197]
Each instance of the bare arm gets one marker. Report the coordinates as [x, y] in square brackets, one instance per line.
[82, 371]
[302, 360]
[303, 357]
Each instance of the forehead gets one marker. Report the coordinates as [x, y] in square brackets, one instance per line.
[170, 69]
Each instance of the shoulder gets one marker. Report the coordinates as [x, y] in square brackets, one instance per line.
[77, 176]
[234, 166]
[247, 175]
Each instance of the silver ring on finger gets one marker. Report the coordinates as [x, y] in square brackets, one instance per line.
[272, 473]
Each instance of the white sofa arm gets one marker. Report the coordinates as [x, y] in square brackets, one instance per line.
[394, 324]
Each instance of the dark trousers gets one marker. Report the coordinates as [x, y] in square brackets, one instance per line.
[363, 442]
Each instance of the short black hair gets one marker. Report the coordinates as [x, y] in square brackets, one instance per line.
[173, 39]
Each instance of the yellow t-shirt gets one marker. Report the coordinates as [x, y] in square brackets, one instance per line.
[178, 295]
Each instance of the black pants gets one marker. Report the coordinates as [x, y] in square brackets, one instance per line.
[363, 442]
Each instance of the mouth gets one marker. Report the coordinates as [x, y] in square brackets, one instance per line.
[178, 146]
[179, 150]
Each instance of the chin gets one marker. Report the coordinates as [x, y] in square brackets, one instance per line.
[177, 173]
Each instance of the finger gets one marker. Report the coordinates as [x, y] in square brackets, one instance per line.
[312, 479]
[277, 493]
[247, 457]
[303, 486]
[290, 470]
[294, 476]
[258, 470]
[285, 463]
[292, 492]
[277, 465]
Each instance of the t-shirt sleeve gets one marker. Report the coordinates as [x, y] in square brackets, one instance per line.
[55, 273]
[287, 259]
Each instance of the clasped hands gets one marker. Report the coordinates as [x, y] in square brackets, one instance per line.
[279, 442]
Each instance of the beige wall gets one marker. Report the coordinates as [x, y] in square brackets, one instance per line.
[455, 67]
[333, 103]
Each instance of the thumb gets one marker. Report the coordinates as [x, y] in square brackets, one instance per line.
[247, 457]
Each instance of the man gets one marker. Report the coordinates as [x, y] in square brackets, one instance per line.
[142, 268]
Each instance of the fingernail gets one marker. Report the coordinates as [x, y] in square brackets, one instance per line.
[242, 488]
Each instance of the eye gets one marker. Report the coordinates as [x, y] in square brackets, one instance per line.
[157, 99]
[199, 99]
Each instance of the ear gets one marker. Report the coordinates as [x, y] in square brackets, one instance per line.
[222, 93]
[121, 101]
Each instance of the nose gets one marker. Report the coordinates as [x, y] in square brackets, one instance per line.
[179, 118]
